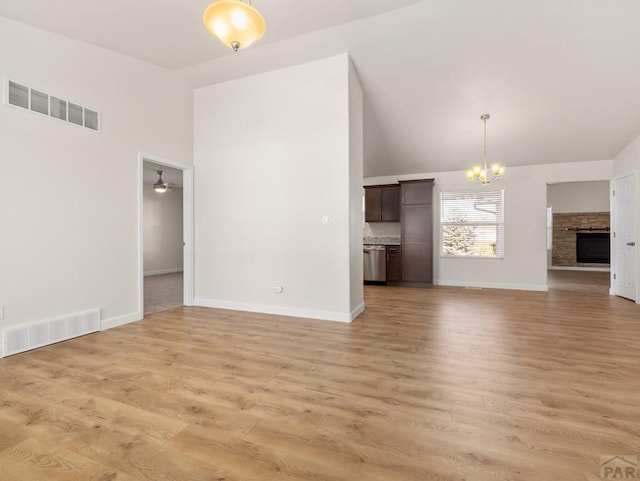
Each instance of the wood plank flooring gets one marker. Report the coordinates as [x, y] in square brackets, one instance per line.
[428, 384]
[594, 282]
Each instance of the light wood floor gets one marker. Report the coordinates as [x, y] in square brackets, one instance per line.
[588, 282]
[428, 384]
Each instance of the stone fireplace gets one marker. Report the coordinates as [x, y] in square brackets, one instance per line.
[566, 230]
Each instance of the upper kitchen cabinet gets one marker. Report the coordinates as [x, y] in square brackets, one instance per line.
[382, 203]
[417, 192]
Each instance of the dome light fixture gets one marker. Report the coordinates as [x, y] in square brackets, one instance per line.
[480, 172]
[161, 186]
[236, 23]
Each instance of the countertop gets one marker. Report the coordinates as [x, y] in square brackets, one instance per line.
[382, 240]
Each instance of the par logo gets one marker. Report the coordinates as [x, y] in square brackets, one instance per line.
[619, 467]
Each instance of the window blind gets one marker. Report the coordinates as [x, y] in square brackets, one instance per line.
[472, 223]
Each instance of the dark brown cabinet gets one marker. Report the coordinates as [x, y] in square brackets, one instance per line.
[417, 231]
[382, 203]
[416, 192]
[394, 263]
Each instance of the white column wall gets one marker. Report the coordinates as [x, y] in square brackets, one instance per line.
[272, 157]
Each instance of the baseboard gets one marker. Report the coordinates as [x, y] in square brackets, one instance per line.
[120, 321]
[493, 285]
[277, 310]
[163, 271]
[579, 268]
[357, 311]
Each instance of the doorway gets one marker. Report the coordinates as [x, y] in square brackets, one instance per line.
[578, 236]
[165, 239]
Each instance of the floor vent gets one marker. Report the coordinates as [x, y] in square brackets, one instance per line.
[43, 333]
[36, 101]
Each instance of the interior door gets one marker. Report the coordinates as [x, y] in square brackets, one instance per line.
[625, 230]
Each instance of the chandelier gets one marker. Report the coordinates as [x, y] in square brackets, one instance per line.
[236, 24]
[480, 172]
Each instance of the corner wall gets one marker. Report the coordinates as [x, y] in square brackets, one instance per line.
[356, 192]
[68, 195]
[274, 193]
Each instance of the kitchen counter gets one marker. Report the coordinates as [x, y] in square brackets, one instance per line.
[382, 240]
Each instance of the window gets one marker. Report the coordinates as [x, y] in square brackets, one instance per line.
[472, 224]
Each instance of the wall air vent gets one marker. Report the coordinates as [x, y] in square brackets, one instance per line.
[50, 331]
[34, 100]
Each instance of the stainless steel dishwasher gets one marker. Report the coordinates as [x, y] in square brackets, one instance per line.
[375, 263]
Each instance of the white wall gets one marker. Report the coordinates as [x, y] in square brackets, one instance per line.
[162, 231]
[68, 196]
[569, 197]
[525, 195]
[628, 160]
[272, 154]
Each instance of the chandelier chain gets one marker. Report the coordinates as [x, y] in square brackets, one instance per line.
[483, 173]
[485, 141]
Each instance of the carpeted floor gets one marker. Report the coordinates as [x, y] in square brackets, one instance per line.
[162, 292]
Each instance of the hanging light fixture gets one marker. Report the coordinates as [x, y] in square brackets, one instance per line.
[480, 172]
[236, 24]
[161, 186]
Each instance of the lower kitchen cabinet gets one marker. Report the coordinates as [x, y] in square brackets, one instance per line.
[394, 263]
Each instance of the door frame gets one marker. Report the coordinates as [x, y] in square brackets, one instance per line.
[634, 178]
[187, 226]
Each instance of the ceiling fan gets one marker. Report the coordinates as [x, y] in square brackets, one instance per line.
[161, 186]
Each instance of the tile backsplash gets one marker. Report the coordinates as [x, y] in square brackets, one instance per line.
[381, 229]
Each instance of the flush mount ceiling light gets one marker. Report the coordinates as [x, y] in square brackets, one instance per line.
[161, 186]
[480, 172]
[236, 24]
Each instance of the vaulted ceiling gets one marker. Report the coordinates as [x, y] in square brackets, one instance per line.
[560, 78]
